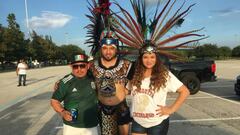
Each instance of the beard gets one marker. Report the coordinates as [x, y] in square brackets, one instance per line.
[109, 58]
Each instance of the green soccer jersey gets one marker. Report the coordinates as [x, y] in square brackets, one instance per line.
[80, 94]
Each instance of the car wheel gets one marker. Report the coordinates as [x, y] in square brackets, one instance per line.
[237, 93]
[236, 88]
[192, 83]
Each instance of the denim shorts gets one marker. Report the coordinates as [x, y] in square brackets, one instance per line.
[160, 129]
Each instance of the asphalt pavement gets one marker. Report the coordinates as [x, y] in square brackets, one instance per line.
[26, 110]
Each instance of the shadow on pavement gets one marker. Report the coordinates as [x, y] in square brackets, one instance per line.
[34, 80]
[19, 118]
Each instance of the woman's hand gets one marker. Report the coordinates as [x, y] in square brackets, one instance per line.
[164, 110]
[167, 110]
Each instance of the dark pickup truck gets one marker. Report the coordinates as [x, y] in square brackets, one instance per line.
[192, 74]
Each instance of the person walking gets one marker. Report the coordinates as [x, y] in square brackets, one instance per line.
[77, 92]
[21, 73]
[150, 85]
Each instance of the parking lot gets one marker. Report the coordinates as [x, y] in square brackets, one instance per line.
[215, 110]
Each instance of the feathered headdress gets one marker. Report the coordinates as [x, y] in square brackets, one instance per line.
[100, 29]
[138, 30]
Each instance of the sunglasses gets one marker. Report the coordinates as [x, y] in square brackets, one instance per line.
[79, 66]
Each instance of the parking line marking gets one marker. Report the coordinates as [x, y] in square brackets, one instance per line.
[60, 127]
[231, 101]
[206, 97]
[36, 127]
[217, 86]
[201, 120]
[191, 120]
[6, 115]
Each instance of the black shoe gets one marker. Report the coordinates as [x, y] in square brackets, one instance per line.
[19, 85]
[24, 84]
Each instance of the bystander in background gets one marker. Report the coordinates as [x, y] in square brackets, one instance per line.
[22, 72]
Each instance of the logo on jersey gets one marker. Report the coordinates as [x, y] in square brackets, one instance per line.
[93, 85]
[74, 90]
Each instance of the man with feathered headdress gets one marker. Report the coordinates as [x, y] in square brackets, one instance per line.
[110, 72]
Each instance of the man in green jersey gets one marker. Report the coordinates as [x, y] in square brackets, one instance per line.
[77, 91]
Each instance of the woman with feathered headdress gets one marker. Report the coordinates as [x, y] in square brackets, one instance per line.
[149, 87]
[152, 80]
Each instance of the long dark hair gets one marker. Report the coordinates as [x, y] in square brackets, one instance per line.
[159, 74]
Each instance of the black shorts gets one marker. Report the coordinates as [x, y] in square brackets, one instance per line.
[121, 111]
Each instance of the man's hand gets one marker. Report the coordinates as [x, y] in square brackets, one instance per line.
[66, 115]
[59, 108]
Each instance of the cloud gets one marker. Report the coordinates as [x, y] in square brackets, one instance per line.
[210, 17]
[49, 19]
[227, 12]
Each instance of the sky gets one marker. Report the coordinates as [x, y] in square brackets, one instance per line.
[64, 20]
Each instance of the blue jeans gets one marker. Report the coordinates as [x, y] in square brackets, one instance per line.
[22, 78]
[160, 129]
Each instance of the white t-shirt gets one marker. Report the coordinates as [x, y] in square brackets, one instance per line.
[22, 69]
[144, 102]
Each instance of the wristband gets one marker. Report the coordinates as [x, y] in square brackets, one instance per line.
[62, 111]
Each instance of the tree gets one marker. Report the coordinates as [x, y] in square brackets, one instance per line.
[13, 46]
[3, 47]
[225, 51]
[236, 51]
[39, 48]
[14, 40]
[70, 50]
[50, 48]
[206, 50]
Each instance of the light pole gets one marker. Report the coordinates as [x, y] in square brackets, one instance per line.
[66, 36]
[26, 13]
[237, 41]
